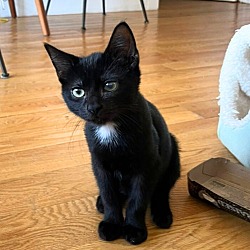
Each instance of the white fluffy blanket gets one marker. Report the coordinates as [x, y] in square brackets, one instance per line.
[235, 80]
[234, 99]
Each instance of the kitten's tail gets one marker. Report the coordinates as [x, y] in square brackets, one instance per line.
[174, 165]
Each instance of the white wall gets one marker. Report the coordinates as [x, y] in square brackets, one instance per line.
[57, 7]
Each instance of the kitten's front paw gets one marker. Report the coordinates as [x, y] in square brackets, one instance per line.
[163, 220]
[134, 235]
[99, 205]
[109, 231]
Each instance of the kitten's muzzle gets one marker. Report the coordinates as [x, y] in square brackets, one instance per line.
[94, 109]
[98, 116]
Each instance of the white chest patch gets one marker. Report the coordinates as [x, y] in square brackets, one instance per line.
[107, 134]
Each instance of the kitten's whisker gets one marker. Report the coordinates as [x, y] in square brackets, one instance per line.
[71, 140]
[77, 125]
[70, 120]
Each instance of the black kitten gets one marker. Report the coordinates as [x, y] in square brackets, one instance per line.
[134, 157]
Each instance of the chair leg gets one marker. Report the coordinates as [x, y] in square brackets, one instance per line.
[84, 14]
[144, 12]
[12, 8]
[104, 12]
[47, 7]
[5, 74]
[103, 7]
[42, 17]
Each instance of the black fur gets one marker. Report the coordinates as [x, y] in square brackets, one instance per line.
[139, 163]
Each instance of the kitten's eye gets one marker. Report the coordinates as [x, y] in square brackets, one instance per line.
[78, 93]
[111, 86]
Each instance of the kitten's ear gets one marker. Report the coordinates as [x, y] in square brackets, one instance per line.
[122, 44]
[63, 62]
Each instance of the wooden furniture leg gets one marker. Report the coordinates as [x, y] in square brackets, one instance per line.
[12, 8]
[42, 17]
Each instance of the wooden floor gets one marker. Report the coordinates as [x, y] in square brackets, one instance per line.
[47, 189]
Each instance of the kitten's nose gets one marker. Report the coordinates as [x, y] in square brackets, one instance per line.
[94, 108]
